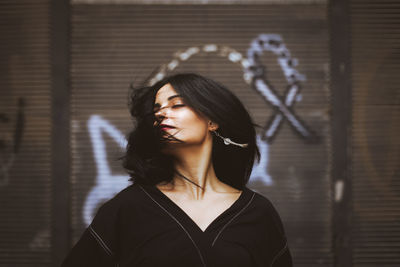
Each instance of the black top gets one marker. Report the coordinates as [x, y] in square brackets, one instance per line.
[141, 226]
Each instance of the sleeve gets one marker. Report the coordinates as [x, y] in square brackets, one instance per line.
[97, 246]
[282, 256]
[279, 255]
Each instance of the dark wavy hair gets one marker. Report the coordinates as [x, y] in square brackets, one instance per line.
[145, 162]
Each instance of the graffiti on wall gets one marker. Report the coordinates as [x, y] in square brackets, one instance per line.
[108, 184]
[254, 74]
[10, 141]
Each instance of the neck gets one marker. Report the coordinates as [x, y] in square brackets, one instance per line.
[195, 164]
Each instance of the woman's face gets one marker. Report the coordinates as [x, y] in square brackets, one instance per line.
[178, 119]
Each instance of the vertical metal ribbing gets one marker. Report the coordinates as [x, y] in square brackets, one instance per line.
[341, 132]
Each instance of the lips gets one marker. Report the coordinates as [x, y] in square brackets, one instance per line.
[165, 127]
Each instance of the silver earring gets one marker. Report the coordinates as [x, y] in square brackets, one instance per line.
[228, 141]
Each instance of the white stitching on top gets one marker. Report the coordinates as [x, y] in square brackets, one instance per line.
[198, 250]
[237, 214]
[279, 253]
[100, 241]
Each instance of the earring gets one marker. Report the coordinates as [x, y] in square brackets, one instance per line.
[228, 141]
[211, 124]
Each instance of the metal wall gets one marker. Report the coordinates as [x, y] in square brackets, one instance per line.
[330, 159]
[25, 133]
[375, 132]
[113, 46]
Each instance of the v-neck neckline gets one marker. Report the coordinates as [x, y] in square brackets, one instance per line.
[185, 217]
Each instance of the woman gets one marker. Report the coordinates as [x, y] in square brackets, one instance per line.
[190, 157]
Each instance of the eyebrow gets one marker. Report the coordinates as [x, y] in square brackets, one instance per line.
[156, 105]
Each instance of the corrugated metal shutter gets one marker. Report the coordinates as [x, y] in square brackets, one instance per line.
[113, 45]
[375, 134]
[25, 129]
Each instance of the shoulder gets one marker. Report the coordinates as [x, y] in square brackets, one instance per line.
[130, 193]
[265, 208]
[126, 199]
[109, 215]
[272, 224]
[115, 217]
[261, 202]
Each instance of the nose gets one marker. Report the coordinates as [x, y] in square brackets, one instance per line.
[161, 112]
[160, 115]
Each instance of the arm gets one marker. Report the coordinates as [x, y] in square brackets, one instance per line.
[91, 250]
[97, 245]
[283, 258]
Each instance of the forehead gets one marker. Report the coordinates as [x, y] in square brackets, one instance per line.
[165, 92]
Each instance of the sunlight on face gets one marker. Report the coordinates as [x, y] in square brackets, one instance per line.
[178, 119]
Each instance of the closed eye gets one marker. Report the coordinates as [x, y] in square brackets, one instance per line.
[178, 105]
[157, 107]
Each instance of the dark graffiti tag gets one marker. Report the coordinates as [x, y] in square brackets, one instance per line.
[9, 147]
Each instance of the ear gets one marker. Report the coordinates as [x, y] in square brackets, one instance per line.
[212, 126]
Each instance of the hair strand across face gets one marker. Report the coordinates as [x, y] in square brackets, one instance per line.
[144, 159]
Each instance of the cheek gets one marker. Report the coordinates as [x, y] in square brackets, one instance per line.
[191, 121]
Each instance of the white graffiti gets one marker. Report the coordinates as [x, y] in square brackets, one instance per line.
[254, 74]
[260, 169]
[219, 50]
[108, 184]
